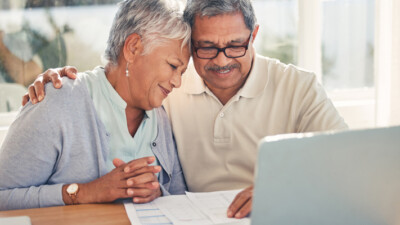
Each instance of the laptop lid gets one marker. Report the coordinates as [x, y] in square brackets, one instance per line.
[350, 177]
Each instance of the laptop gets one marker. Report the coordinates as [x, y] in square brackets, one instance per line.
[350, 177]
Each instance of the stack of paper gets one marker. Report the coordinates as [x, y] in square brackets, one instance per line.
[189, 209]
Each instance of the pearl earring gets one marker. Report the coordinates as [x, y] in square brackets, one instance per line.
[127, 71]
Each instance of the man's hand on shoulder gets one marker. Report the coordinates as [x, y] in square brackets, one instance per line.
[36, 90]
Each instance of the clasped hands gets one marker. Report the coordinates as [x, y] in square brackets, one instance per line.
[136, 179]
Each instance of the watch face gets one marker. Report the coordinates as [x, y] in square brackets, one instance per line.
[72, 188]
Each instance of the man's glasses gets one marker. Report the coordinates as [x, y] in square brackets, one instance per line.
[229, 52]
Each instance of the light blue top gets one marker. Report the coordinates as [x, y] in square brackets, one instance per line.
[108, 102]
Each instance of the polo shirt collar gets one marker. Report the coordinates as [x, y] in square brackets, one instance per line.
[254, 85]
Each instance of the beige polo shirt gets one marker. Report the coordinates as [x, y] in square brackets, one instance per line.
[217, 144]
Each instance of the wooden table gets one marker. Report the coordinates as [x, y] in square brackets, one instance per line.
[74, 214]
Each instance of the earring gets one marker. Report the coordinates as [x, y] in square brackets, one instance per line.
[127, 71]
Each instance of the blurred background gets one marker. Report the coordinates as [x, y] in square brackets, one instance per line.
[352, 46]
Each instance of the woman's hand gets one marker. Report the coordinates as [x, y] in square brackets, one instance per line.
[143, 181]
[138, 182]
[36, 90]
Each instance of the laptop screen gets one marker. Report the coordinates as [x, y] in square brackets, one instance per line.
[350, 177]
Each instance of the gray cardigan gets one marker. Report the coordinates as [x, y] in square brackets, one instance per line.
[62, 141]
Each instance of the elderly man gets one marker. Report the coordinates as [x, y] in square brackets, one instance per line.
[231, 98]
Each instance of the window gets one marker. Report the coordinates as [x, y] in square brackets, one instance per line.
[337, 39]
[346, 36]
[347, 55]
[39, 34]
[277, 36]
[352, 46]
[347, 44]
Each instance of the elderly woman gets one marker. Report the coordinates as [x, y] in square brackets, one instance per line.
[104, 136]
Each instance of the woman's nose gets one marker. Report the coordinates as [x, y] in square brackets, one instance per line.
[176, 80]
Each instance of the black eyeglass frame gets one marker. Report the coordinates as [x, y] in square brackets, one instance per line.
[246, 46]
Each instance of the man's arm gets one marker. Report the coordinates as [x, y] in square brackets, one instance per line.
[316, 111]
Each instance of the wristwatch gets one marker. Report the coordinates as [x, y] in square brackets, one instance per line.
[72, 190]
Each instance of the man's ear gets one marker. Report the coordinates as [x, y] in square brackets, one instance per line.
[255, 31]
[132, 47]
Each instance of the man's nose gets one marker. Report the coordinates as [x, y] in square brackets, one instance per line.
[221, 59]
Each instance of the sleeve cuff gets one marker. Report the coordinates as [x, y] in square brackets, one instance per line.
[51, 195]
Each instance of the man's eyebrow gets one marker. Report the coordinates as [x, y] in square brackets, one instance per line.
[235, 41]
[205, 42]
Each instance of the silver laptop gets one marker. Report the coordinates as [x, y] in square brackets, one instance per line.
[350, 177]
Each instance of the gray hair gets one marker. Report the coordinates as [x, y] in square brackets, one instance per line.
[156, 21]
[212, 8]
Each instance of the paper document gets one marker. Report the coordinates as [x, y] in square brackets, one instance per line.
[190, 209]
[145, 214]
[181, 211]
[214, 204]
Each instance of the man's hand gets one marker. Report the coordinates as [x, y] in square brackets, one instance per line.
[36, 90]
[241, 205]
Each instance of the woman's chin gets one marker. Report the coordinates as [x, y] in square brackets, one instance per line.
[155, 104]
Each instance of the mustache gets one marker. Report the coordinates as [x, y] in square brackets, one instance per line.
[219, 68]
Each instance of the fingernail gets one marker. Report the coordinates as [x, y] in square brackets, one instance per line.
[229, 213]
[130, 192]
[238, 215]
[136, 200]
[34, 101]
[154, 184]
[129, 182]
[126, 170]
[40, 98]
[58, 85]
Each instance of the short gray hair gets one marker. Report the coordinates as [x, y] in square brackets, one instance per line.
[156, 21]
[218, 7]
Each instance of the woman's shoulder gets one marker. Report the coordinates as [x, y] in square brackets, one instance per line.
[91, 76]
[78, 87]
[73, 95]
[71, 90]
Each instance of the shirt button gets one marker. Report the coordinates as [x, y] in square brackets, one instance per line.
[221, 115]
[154, 144]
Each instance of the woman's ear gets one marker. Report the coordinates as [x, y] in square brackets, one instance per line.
[132, 47]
